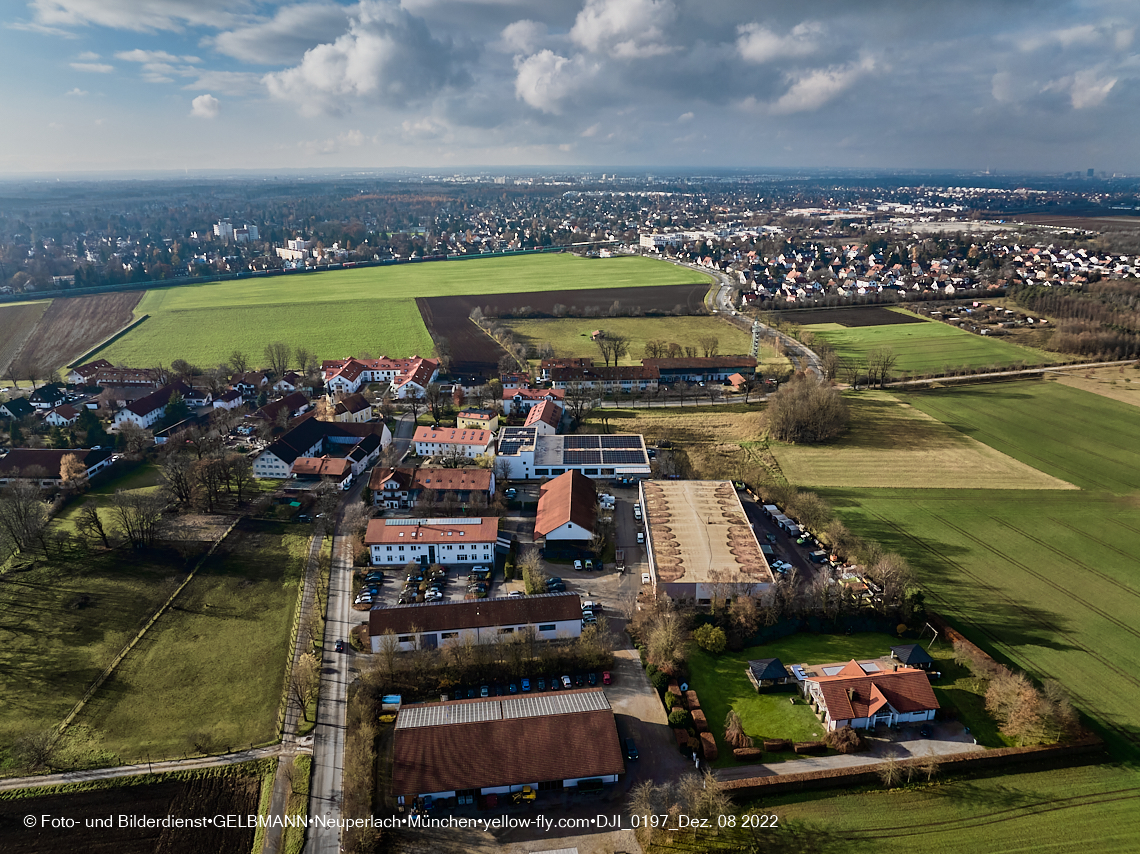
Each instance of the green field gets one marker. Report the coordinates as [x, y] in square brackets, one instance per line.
[1060, 810]
[208, 676]
[1047, 579]
[570, 337]
[929, 347]
[343, 312]
[893, 444]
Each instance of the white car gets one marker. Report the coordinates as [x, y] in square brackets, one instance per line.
[646, 578]
[578, 565]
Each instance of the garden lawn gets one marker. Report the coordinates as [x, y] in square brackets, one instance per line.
[128, 477]
[208, 676]
[345, 312]
[570, 337]
[893, 444]
[63, 622]
[721, 684]
[929, 347]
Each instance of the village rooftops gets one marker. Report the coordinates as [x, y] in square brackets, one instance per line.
[570, 497]
[334, 467]
[416, 531]
[548, 412]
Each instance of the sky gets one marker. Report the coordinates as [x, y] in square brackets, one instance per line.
[140, 85]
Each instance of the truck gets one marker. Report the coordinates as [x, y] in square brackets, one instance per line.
[619, 559]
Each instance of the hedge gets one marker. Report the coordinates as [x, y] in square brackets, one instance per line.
[691, 701]
[682, 736]
[708, 747]
[775, 745]
[699, 721]
[675, 689]
[748, 754]
[810, 747]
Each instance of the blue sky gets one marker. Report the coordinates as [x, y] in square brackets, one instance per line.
[215, 84]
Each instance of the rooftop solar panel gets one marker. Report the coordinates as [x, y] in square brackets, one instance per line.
[581, 442]
[619, 458]
[582, 458]
[621, 441]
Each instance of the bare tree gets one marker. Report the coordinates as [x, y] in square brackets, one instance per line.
[436, 401]
[241, 474]
[278, 355]
[710, 345]
[306, 361]
[137, 515]
[389, 649]
[176, 471]
[239, 362]
[23, 515]
[304, 682]
[580, 399]
[72, 473]
[90, 524]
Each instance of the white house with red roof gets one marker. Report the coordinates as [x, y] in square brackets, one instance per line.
[406, 376]
[147, 411]
[520, 400]
[62, 416]
[866, 694]
[546, 417]
[447, 441]
[466, 541]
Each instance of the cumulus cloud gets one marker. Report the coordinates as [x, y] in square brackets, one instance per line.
[139, 15]
[386, 55]
[521, 37]
[204, 107]
[756, 43]
[93, 67]
[546, 80]
[77, 92]
[626, 29]
[812, 89]
[1087, 89]
[286, 36]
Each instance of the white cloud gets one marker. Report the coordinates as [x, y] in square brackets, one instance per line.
[204, 107]
[813, 89]
[286, 36]
[756, 43]
[151, 56]
[546, 79]
[592, 130]
[387, 55]
[1087, 90]
[93, 67]
[684, 117]
[87, 56]
[425, 129]
[521, 37]
[139, 15]
[349, 139]
[627, 29]
[77, 93]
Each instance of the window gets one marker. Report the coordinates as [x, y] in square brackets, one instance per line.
[461, 557]
[449, 635]
[549, 627]
[509, 630]
[389, 548]
[401, 548]
[405, 638]
[541, 472]
[589, 471]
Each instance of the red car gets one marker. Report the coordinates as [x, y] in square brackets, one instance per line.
[606, 680]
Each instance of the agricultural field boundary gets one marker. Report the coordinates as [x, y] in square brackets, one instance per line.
[307, 589]
[999, 757]
[108, 341]
[995, 376]
[106, 674]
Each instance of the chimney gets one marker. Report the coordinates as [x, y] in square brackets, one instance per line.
[852, 694]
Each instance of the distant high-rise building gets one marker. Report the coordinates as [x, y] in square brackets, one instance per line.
[224, 229]
[1091, 173]
[246, 233]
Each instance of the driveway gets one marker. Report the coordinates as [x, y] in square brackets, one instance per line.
[949, 737]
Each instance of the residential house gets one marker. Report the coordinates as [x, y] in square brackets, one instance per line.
[404, 488]
[287, 408]
[231, 399]
[567, 509]
[478, 419]
[84, 374]
[353, 408]
[863, 695]
[251, 383]
[198, 397]
[520, 400]
[313, 470]
[309, 437]
[290, 382]
[47, 397]
[532, 455]
[432, 626]
[546, 418]
[148, 411]
[62, 416]
[448, 542]
[406, 376]
[609, 380]
[514, 380]
[16, 408]
[701, 369]
[452, 441]
[564, 741]
[43, 465]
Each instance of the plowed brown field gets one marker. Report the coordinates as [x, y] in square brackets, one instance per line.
[74, 325]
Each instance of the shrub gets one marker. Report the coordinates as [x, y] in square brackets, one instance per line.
[670, 701]
[682, 736]
[810, 747]
[775, 745]
[699, 721]
[678, 718]
[708, 747]
[691, 700]
[659, 680]
[711, 639]
[845, 740]
[748, 754]
[807, 409]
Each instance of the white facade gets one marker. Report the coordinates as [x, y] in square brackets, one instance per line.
[445, 554]
[569, 531]
[554, 630]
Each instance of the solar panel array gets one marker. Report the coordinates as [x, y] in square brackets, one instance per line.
[586, 441]
[623, 458]
[621, 441]
[508, 708]
[468, 520]
[582, 458]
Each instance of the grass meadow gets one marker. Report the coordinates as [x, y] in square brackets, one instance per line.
[927, 347]
[342, 312]
[1048, 579]
[209, 675]
[570, 337]
[894, 444]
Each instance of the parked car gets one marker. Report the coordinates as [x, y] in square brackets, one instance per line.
[926, 731]
[525, 685]
[592, 678]
[589, 565]
[511, 493]
[540, 685]
[578, 680]
[645, 578]
[640, 538]
[515, 594]
[566, 682]
[630, 749]
[559, 587]
[433, 596]
[513, 688]
[485, 691]
[770, 538]
[606, 678]
[578, 565]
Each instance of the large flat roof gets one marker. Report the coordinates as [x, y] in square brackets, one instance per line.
[698, 534]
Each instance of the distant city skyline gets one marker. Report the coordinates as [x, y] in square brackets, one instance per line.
[126, 85]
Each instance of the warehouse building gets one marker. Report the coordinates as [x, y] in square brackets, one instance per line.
[530, 455]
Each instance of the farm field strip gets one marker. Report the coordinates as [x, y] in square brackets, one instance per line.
[1006, 424]
[17, 322]
[1100, 382]
[371, 309]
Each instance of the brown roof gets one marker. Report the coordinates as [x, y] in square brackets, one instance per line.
[547, 412]
[92, 368]
[352, 404]
[322, 466]
[159, 399]
[475, 613]
[67, 411]
[503, 752]
[289, 403]
[446, 480]
[487, 415]
[570, 497]
[380, 476]
[603, 373]
[432, 531]
[454, 436]
[852, 693]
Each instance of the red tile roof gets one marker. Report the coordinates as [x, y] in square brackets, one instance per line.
[453, 436]
[475, 613]
[534, 393]
[336, 468]
[486, 530]
[547, 412]
[852, 693]
[570, 497]
[512, 751]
